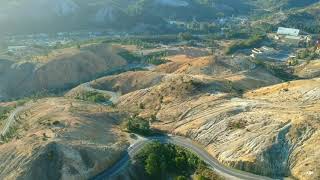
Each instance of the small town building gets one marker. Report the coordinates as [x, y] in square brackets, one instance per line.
[288, 32]
[292, 36]
[269, 54]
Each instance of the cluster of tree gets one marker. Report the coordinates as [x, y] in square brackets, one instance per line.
[303, 21]
[252, 42]
[93, 96]
[308, 54]
[167, 161]
[4, 111]
[138, 125]
[138, 42]
[130, 57]
[156, 58]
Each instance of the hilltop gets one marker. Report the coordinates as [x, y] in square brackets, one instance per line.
[59, 70]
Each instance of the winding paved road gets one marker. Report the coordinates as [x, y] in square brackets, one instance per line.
[183, 142]
[114, 96]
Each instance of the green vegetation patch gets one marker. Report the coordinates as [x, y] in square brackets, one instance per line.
[138, 125]
[280, 71]
[93, 96]
[237, 124]
[4, 112]
[9, 135]
[252, 42]
[167, 161]
[308, 54]
[130, 57]
[155, 58]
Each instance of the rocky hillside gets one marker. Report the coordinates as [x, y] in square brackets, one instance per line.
[60, 70]
[245, 117]
[62, 139]
[308, 69]
[237, 113]
[271, 131]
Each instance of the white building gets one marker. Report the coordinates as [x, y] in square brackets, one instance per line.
[290, 36]
[288, 31]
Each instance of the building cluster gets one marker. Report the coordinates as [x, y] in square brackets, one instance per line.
[290, 38]
[195, 25]
[268, 53]
[294, 37]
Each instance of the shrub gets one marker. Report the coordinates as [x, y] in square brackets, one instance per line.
[138, 125]
[237, 124]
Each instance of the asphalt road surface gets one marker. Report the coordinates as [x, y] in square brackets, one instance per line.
[183, 142]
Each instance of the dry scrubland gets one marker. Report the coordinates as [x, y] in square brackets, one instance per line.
[273, 130]
[58, 138]
[244, 116]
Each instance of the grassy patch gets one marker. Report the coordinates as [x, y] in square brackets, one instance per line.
[156, 58]
[4, 112]
[93, 96]
[167, 161]
[9, 135]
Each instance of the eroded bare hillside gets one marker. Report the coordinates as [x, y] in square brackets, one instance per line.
[270, 131]
[60, 70]
[62, 139]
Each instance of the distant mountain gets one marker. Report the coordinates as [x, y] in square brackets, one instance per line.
[47, 15]
[25, 16]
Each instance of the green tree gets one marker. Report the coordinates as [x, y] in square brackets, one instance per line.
[181, 163]
[152, 165]
[181, 178]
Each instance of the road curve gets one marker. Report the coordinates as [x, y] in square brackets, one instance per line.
[183, 142]
[114, 96]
